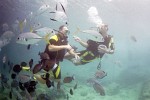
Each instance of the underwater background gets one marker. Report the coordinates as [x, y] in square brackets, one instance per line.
[127, 69]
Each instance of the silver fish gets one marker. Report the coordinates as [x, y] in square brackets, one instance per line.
[28, 38]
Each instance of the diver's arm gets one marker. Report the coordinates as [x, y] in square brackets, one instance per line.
[84, 44]
[56, 48]
[71, 51]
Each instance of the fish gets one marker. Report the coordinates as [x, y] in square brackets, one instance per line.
[71, 91]
[75, 87]
[68, 79]
[59, 15]
[44, 31]
[67, 96]
[31, 63]
[10, 67]
[37, 68]
[99, 89]
[28, 47]
[3, 43]
[5, 27]
[133, 38]
[100, 74]
[96, 85]
[10, 95]
[17, 68]
[4, 59]
[28, 38]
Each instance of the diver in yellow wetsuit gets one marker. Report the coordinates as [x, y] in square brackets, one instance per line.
[94, 49]
[54, 53]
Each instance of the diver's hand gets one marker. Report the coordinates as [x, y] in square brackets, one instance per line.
[76, 38]
[76, 56]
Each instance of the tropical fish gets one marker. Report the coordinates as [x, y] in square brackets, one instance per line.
[75, 87]
[4, 59]
[68, 79]
[37, 68]
[17, 68]
[7, 35]
[10, 95]
[100, 74]
[5, 27]
[31, 63]
[71, 91]
[29, 46]
[28, 38]
[67, 96]
[44, 31]
[99, 89]
[3, 43]
[59, 15]
[133, 38]
[96, 85]
[22, 24]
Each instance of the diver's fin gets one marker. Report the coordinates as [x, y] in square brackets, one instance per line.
[63, 8]
[56, 7]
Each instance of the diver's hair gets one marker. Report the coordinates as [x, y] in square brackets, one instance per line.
[61, 27]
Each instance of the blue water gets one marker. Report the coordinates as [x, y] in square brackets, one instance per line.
[128, 68]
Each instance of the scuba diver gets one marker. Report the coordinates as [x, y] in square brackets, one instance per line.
[53, 54]
[94, 49]
[23, 79]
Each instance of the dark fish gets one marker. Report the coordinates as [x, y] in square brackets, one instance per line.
[100, 74]
[75, 87]
[10, 95]
[68, 79]
[29, 46]
[37, 68]
[13, 76]
[67, 97]
[63, 8]
[10, 67]
[49, 83]
[17, 68]
[133, 38]
[23, 63]
[31, 63]
[56, 7]
[52, 12]
[53, 19]
[71, 91]
[99, 89]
